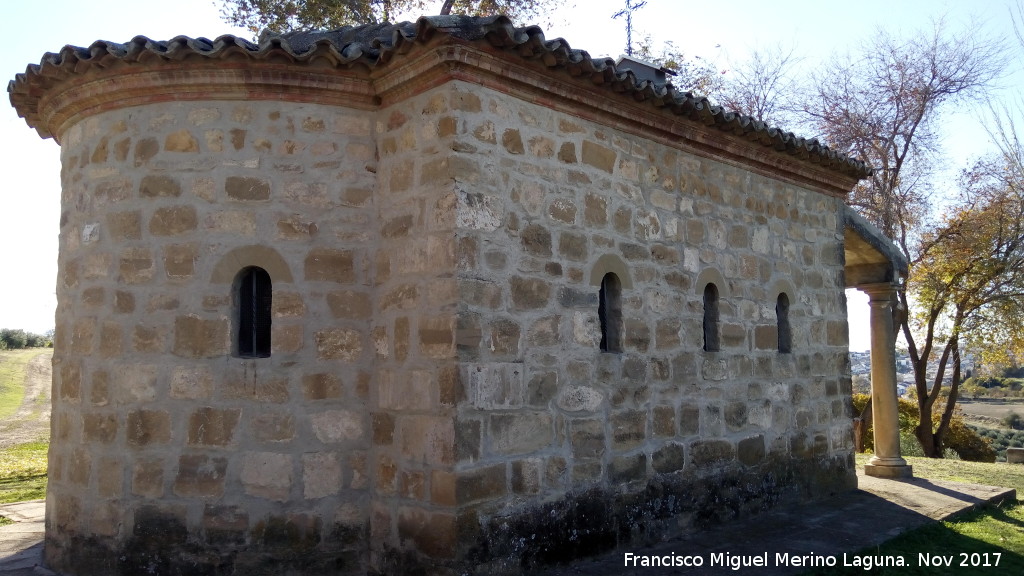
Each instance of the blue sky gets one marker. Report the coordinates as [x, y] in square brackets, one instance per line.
[30, 190]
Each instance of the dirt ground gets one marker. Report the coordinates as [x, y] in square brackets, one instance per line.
[32, 420]
[990, 414]
[993, 409]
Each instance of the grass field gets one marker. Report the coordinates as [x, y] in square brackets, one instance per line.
[23, 472]
[12, 378]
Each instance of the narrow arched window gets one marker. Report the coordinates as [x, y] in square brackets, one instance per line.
[254, 302]
[782, 322]
[609, 310]
[711, 318]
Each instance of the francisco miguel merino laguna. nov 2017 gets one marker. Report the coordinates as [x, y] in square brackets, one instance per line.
[767, 559]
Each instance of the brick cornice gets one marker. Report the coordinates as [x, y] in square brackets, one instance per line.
[134, 84]
[436, 63]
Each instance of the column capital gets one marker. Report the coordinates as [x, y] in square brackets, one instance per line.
[879, 291]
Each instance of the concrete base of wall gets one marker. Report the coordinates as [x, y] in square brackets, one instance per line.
[595, 521]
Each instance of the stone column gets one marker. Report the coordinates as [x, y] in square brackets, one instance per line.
[887, 462]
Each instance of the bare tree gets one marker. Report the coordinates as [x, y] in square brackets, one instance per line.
[761, 85]
[883, 106]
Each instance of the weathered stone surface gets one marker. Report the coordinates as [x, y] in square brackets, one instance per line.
[350, 304]
[273, 426]
[587, 437]
[321, 386]
[148, 478]
[628, 428]
[521, 432]
[598, 156]
[99, 427]
[339, 344]
[145, 427]
[751, 451]
[200, 475]
[495, 385]
[512, 141]
[669, 458]
[334, 426]
[212, 426]
[321, 474]
[330, 265]
[529, 293]
[580, 399]
[480, 484]
[181, 141]
[136, 266]
[155, 186]
[536, 240]
[629, 468]
[267, 475]
[711, 452]
[195, 337]
[173, 220]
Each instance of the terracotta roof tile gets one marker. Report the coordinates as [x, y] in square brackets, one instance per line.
[376, 45]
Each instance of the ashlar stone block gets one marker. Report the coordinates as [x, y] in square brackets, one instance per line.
[212, 426]
[267, 475]
[520, 432]
[200, 475]
[321, 474]
[333, 426]
[495, 385]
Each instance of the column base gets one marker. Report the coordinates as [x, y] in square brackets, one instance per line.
[891, 472]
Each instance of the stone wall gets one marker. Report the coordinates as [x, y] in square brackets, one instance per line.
[414, 330]
[436, 394]
[167, 448]
[562, 449]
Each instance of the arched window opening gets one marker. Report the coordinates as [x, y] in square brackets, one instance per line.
[609, 310]
[782, 319]
[711, 343]
[254, 315]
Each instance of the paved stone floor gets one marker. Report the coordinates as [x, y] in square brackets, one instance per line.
[21, 543]
[876, 512]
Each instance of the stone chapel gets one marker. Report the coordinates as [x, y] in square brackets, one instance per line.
[439, 297]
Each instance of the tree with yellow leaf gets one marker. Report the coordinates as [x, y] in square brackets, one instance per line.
[967, 290]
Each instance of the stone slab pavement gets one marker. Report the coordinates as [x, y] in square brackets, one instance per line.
[21, 543]
[877, 511]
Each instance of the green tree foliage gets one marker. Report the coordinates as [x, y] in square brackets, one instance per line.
[1014, 421]
[961, 438]
[280, 16]
[16, 339]
[968, 287]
